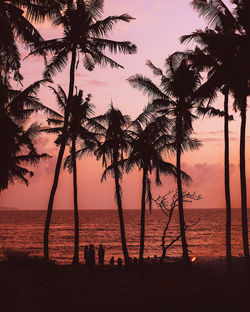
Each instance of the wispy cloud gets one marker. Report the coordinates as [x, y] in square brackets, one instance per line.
[98, 83]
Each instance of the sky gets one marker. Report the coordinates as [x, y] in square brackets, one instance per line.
[156, 30]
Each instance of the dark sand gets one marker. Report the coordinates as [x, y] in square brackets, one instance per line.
[169, 287]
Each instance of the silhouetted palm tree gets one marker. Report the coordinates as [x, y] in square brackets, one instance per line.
[215, 57]
[112, 128]
[236, 32]
[176, 97]
[83, 33]
[79, 112]
[16, 141]
[15, 17]
[149, 143]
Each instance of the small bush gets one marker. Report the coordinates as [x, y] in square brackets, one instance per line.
[14, 257]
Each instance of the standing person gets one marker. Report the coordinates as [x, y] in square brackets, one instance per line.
[119, 262]
[101, 254]
[112, 261]
[86, 255]
[91, 255]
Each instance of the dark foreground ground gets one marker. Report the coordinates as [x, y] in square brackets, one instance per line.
[170, 287]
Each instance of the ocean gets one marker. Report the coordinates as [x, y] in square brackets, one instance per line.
[23, 230]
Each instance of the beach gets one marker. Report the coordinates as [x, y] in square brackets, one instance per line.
[166, 287]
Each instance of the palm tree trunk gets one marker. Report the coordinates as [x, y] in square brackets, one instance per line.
[180, 194]
[243, 186]
[59, 159]
[120, 212]
[143, 202]
[76, 214]
[181, 210]
[227, 185]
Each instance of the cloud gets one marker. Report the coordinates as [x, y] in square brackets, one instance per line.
[216, 132]
[80, 75]
[98, 83]
[217, 139]
[207, 180]
[211, 140]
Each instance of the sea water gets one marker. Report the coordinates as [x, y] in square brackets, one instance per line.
[23, 231]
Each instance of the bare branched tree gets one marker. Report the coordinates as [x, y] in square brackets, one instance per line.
[168, 207]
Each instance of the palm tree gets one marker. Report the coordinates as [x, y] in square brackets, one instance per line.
[150, 141]
[112, 128]
[219, 16]
[84, 33]
[79, 112]
[215, 57]
[16, 141]
[22, 150]
[175, 96]
[16, 26]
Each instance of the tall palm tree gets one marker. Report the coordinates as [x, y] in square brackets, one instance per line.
[84, 33]
[219, 16]
[175, 97]
[112, 128]
[79, 112]
[215, 56]
[15, 25]
[18, 142]
[149, 143]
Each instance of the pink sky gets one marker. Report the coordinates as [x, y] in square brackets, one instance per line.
[155, 31]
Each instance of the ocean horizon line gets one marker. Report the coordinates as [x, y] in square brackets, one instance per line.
[111, 209]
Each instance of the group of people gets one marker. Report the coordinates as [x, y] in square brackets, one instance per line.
[89, 255]
[90, 259]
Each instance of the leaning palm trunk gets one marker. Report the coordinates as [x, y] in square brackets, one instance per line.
[243, 186]
[59, 159]
[143, 202]
[76, 214]
[227, 184]
[120, 212]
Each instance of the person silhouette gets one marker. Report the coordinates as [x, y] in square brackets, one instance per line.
[112, 261]
[91, 255]
[119, 262]
[101, 254]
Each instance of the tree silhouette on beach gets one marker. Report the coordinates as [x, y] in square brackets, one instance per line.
[175, 97]
[150, 142]
[214, 55]
[229, 46]
[84, 33]
[114, 143]
[18, 139]
[80, 111]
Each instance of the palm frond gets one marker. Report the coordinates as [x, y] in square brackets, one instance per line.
[88, 62]
[60, 97]
[103, 27]
[124, 47]
[146, 85]
[58, 62]
[156, 71]
[94, 8]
